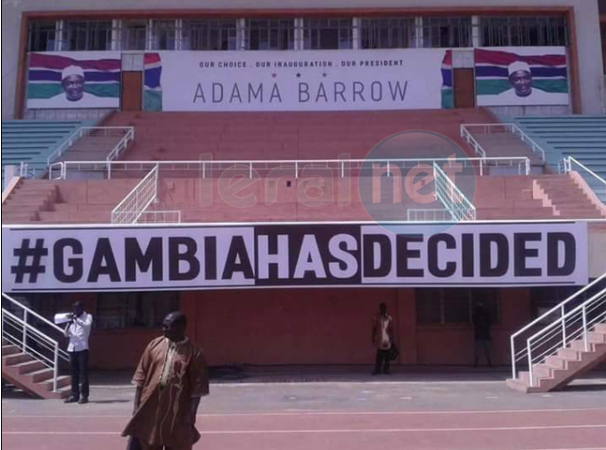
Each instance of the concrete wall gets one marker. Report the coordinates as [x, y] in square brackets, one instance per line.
[586, 13]
[310, 327]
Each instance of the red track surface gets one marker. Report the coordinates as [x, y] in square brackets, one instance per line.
[505, 430]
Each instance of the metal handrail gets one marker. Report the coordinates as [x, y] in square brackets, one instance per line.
[427, 215]
[122, 145]
[123, 209]
[512, 128]
[340, 165]
[30, 312]
[561, 308]
[158, 217]
[569, 161]
[599, 297]
[466, 134]
[455, 195]
[28, 332]
[79, 134]
[69, 142]
[536, 148]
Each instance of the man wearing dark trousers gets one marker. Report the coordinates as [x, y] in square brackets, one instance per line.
[78, 332]
[482, 330]
[382, 339]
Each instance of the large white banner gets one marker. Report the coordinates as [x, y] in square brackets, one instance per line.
[47, 259]
[522, 76]
[295, 81]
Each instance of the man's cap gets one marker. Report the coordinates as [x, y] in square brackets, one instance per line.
[72, 70]
[519, 66]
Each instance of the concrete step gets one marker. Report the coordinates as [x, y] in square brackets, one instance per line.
[524, 378]
[569, 354]
[8, 350]
[41, 375]
[25, 368]
[62, 382]
[16, 358]
[597, 337]
[557, 362]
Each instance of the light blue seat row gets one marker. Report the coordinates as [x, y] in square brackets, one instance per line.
[32, 142]
[580, 137]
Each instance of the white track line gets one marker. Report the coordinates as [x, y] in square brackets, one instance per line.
[321, 413]
[339, 431]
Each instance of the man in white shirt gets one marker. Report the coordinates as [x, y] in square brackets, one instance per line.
[78, 332]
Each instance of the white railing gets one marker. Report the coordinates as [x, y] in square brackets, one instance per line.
[295, 168]
[128, 134]
[473, 143]
[467, 133]
[121, 146]
[561, 332]
[455, 202]
[17, 330]
[570, 164]
[430, 215]
[27, 172]
[159, 217]
[135, 204]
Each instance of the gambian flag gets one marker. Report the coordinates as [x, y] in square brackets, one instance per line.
[447, 84]
[102, 77]
[153, 82]
[549, 72]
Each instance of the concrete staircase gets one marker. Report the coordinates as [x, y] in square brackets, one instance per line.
[563, 344]
[57, 202]
[27, 201]
[93, 147]
[290, 135]
[565, 366]
[507, 144]
[30, 374]
[568, 199]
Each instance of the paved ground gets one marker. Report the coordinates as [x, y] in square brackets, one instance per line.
[458, 410]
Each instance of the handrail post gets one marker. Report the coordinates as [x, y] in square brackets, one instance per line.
[564, 333]
[56, 369]
[25, 317]
[513, 359]
[530, 367]
[585, 329]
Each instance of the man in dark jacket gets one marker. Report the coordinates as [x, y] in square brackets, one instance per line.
[482, 328]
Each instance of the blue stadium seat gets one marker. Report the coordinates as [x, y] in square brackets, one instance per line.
[33, 141]
[581, 137]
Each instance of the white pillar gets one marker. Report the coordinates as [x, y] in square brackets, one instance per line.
[476, 32]
[10, 172]
[356, 35]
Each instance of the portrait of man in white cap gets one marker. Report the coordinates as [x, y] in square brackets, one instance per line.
[72, 80]
[529, 77]
[520, 77]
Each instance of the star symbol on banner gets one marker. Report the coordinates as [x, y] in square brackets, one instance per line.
[274, 75]
[325, 75]
[299, 75]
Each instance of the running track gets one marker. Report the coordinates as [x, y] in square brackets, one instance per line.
[573, 429]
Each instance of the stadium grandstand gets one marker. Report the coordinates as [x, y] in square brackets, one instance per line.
[273, 169]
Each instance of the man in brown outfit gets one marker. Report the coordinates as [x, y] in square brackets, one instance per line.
[171, 379]
[383, 339]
